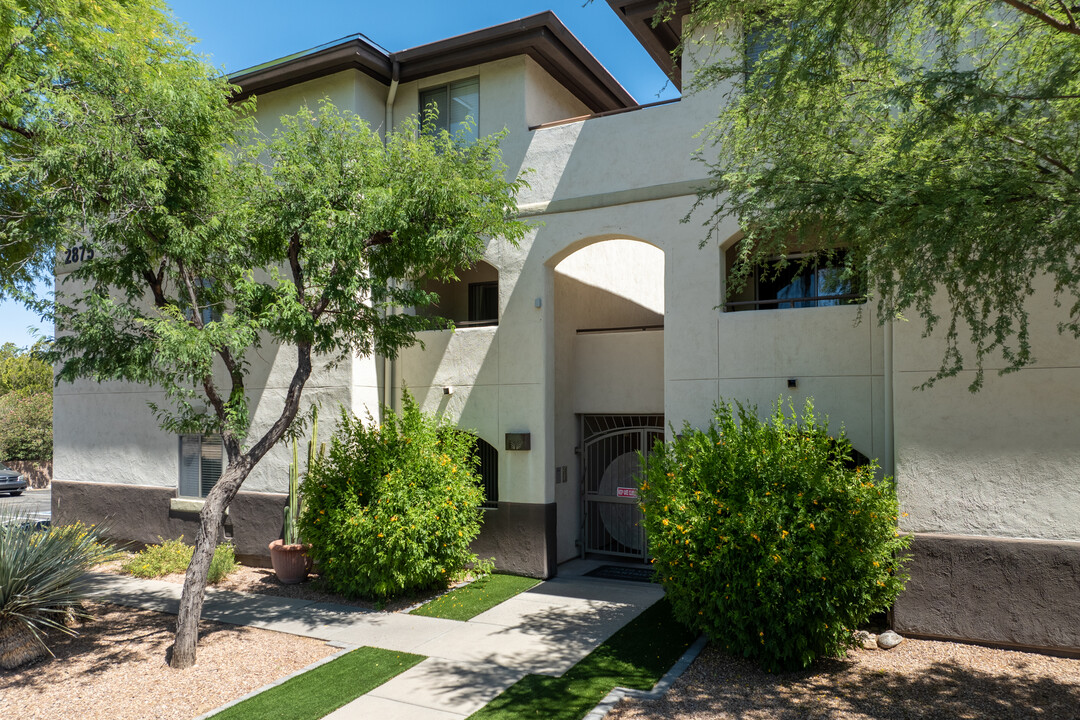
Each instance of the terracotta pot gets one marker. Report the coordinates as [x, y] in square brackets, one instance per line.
[291, 563]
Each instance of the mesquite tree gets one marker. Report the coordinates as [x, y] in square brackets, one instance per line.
[939, 142]
[75, 77]
[294, 240]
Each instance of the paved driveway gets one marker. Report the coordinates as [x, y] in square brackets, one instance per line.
[35, 503]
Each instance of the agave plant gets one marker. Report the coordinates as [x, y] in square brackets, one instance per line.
[41, 583]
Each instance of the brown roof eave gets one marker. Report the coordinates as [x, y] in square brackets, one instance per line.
[353, 54]
[659, 41]
[542, 37]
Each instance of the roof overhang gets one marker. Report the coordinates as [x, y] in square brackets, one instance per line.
[350, 53]
[542, 37]
[659, 39]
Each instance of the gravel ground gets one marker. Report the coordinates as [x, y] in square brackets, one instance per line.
[917, 679]
[115, 669]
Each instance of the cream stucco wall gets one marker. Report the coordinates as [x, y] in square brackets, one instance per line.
[1003, 462]
[545, 99]
[1000, 463]
[107, 432]
[349, 90]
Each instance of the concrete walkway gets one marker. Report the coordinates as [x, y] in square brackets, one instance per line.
[544, 631]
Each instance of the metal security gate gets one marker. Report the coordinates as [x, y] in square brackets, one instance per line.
[612, 519]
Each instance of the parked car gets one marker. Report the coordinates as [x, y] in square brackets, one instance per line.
[11, 482]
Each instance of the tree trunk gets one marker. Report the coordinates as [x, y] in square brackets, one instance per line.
[211, 518]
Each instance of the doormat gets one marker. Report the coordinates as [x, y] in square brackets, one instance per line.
[619, 572]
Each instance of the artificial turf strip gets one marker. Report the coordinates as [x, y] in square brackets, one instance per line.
[469, 601]
[635, 657]
[321, 691]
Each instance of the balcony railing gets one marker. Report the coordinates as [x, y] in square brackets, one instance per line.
[850, 298]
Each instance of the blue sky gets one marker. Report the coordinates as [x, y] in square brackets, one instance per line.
[237, 35]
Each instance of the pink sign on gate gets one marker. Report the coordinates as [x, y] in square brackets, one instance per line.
[627, 492]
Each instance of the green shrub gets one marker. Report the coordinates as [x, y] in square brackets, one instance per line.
[766, 541]
[223, 563]
[173, 556]
[41, 582]
[392, 508]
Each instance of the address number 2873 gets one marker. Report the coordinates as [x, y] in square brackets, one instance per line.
[79, 253]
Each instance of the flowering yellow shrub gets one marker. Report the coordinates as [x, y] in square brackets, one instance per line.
[392, 508]
[767, 539]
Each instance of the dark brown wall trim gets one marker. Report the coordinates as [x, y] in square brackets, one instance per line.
[521, 537]
[994, 591]
[141, 514]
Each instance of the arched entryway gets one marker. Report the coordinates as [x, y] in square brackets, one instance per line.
[609, 389]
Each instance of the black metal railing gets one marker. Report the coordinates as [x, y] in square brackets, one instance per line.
[489, 471]
[847, 299]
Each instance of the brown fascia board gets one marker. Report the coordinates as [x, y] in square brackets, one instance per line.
[660, 40]
[354, 53]
[542, 37]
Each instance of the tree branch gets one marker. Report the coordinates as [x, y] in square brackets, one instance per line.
[196, 316]
[1043, 16]
[291, 407]
[214, 397]
[156, 283]
[15, 45]
[1068, 12]
[294, 263]
[21, 131]
[1053, 161]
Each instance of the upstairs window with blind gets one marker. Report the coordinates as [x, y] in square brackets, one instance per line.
[453, 103]
[201, 463]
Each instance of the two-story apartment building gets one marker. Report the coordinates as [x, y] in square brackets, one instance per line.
[607, 325]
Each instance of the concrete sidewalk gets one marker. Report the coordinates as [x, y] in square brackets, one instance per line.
[545, 631]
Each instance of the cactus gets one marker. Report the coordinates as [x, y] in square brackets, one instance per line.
[291, 511]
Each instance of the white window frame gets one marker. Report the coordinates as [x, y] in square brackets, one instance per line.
[458, 128]
[207, 446]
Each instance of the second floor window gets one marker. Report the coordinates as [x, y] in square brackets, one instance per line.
[803, 281]
[454, 103]
[484, 303]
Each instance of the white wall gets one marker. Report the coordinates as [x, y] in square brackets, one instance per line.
[1001, 462]
[349, 90]
[618, 373]
[610, 283]
[546, 100]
